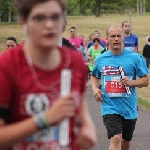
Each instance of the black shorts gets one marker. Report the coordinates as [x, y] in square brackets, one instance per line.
[116, 124]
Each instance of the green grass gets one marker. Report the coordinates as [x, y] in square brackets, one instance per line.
[86, 25]
[143, 103]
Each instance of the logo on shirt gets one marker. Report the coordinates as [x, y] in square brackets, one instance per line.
[35, 103]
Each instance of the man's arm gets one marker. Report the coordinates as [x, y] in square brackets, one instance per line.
[140, 82]
[95, 87]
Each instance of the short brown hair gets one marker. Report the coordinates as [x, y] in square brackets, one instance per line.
[25, 6]
[11, 38]
[96, 40]
[124, 23]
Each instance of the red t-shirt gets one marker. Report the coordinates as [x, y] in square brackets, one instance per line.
[27, 90]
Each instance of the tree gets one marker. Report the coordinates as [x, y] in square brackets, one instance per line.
[97, 7]
[71, 7]
[6, 9]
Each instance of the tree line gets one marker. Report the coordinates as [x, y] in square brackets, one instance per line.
[98, 7]
[8, 10]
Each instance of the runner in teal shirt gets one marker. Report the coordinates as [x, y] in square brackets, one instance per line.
[120, 72]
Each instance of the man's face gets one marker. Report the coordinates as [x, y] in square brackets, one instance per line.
[72, 31]
[97, 36]
[96, 43]
[126, 27]
[10, 43]
[115, 38]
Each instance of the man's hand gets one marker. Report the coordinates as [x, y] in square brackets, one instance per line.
[126, 82]
[97, 94]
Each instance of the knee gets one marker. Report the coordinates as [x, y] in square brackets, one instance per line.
[125, 143]
[116, 139]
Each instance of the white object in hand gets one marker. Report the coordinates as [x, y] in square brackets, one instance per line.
[122, 76]
[64, 124]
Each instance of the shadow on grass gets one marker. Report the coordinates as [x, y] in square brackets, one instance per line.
[143, 103]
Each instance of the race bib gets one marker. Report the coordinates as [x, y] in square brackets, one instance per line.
[46, 139]
[114, 88]
[112, 82]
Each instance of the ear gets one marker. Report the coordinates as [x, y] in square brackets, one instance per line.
[106, 38]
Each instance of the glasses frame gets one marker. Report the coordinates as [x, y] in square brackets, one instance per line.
[72, 31]
[41, 18]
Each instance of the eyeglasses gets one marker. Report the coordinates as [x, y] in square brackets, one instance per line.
[72, 30]
[127, 26]
[40, 18]
[114, 36]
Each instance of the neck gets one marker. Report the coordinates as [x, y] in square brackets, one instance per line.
[96, 46]
[116, 51]
[45, 58]
[72, 36]
[126, 34]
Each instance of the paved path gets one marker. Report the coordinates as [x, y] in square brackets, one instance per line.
[141, 137]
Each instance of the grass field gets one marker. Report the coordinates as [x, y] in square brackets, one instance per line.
[86, 25]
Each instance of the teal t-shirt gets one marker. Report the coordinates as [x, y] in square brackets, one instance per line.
[115, 98]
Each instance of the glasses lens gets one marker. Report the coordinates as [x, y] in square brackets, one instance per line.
[55, 17]
[42, 18]
[39, 18]
[72, 30]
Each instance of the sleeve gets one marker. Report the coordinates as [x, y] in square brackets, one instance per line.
[3, 112]
[5, 92]
[5, 88]
[141, 68]
[89, 45]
